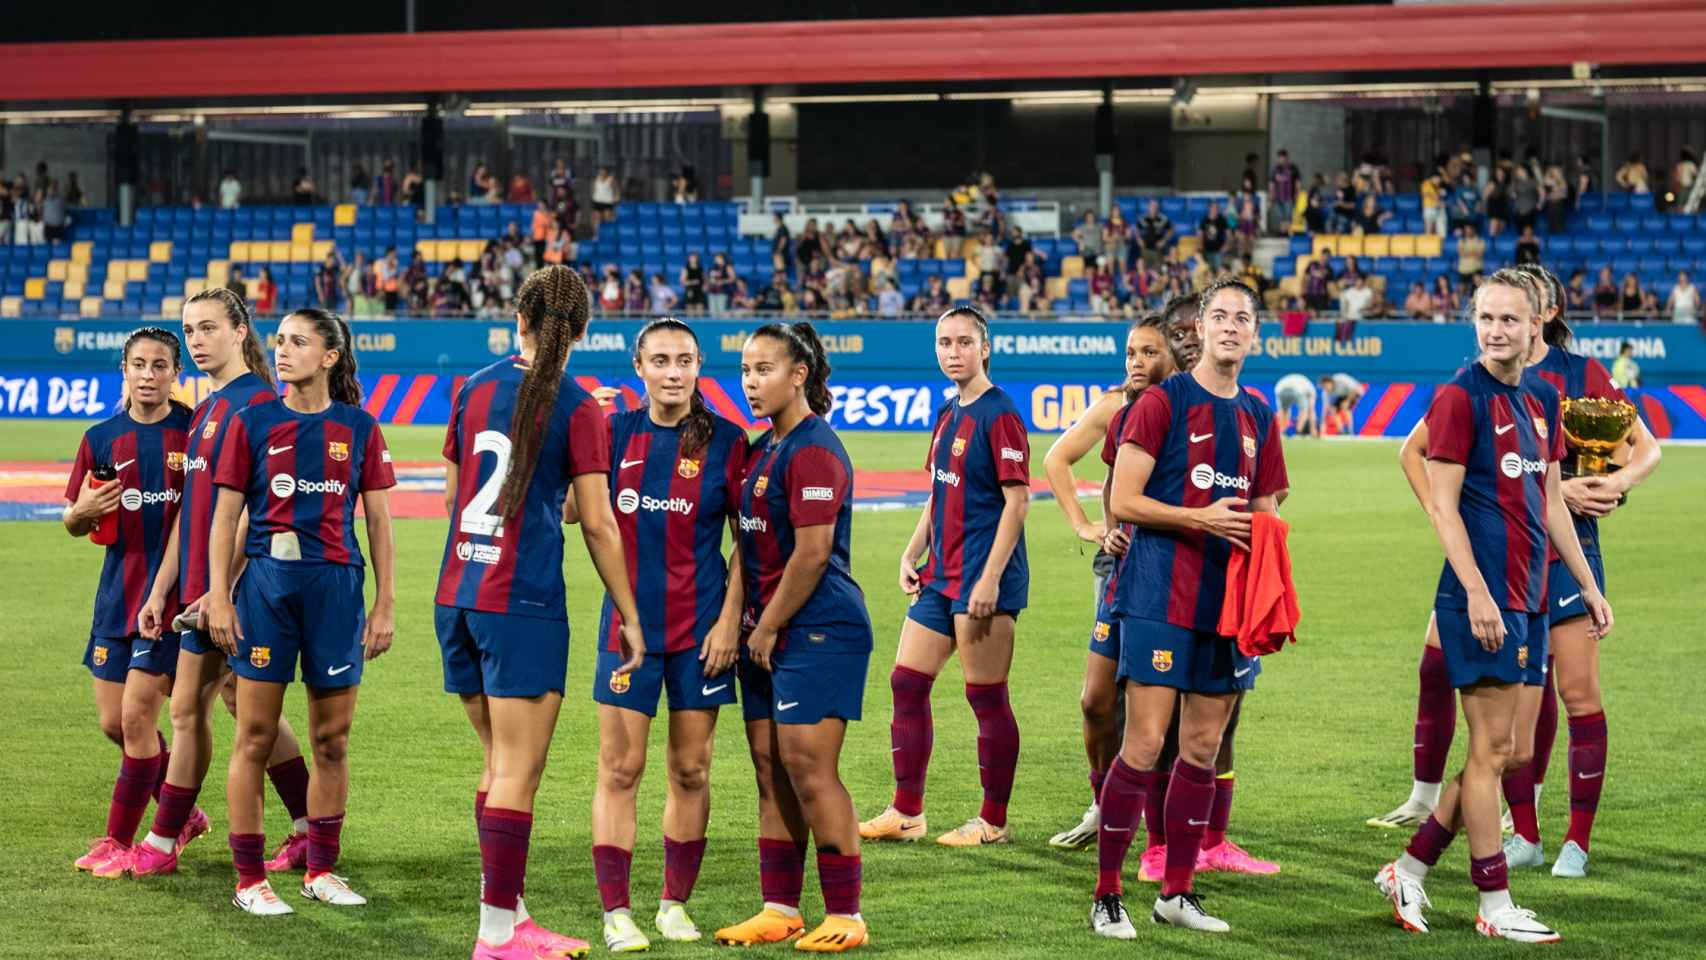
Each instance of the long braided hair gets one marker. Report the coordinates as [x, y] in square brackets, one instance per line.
[697, 426]
[804, 347]
[237, 312]
[167, 339]
[554, 307]
[341, 384]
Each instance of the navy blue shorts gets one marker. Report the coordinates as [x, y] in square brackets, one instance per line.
[108, 658]
[1522, 659]
[932, 610]
[198, 642]
[501, 654]
[1162, 654]
[307, 612]
[804, 685]
[1105, 634]
[1564, 595]
[155, 656]
[679, 674]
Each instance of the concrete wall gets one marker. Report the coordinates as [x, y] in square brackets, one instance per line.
[65, 148]
[1313, 133]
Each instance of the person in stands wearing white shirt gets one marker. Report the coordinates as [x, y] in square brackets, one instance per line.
[1683, 303]
[230, 191]
[1356, 299]
[606, 194]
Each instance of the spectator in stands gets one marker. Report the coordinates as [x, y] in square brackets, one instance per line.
[1317, 281]
[870, 243]
[1118, 238]
[1525, 199]
[386, 191]
[559, 246]
[53, 215]
[1471, 251]
[562, 183]
[539, 230]
[901, 225]
[1633, 176]
[1357, 299]
[1370, 218]
[488, 301]
[1343, 214]
[682, 189]
[1625, 372]
[662, 297]
[1418, 305]
[5, 214]
[1444, 297]
[693, 285]
[809, 244]
[1154, 236]
[360, 184]
[635, 292]
[1088, 236]
[1681, 176]
[1605, 295]
[1029, 279]
[1576, 292]
[1352, 271]
[1555, 198]
[1683, 303]
[1315, 212]
[388, 279]
[719, 283]
[889, 300]
[775, 296]
[302, 188]
[234, 282]
[412, 191]
[1102, 299]
[606, 194]
[1212, 231]
[1249, 179]
[1284, 181]
[1466, 205]
[1528, 245]
[73, 190]
[417, 285]
[1631, 299]
[781, 243]
[933, 298]
[230, 191]
[1247, 213]
[479, 183]
[812, 301]
[953, 229]
[328, 282]
[1496, 201]
[988, 294]
[989, 256]
[1433, 204]
[266, 294]
[355, 279]
[1018, 249]
[520, 189]
[610, 290]
[741, 300]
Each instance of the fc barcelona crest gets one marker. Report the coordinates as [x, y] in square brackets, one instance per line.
[959, 446]
[175, 460]
[260, 657]
[1522, 656]
[1249, 446]
[1101, 632]
[209, 429]
[498, 340]
[688, 469]
[100, 655]
[338, 450]
[64, 339]
[761, 485]
[618, 683]
[1540, 427]
[1161, 660]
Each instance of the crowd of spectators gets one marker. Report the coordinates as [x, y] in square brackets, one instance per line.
[37, 209]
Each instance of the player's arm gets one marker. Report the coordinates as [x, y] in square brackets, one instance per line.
[1413, 460]
[801, 575]
[218, 616]
[571, 514]
[604, 544]
[722, 643]
[1445, 487]
[1643, 454]
[382, 553]
[1071, 447]
[1129, 504]
[913, 556]
[148, 620]
[451, 480]
[1563, 533]
[87, 500]
[1016, 504]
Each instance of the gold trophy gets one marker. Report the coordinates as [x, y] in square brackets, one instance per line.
[1593, 430]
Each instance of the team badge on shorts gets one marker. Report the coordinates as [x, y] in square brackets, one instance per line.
[259, 657]
[1161, 660]
[337, 450]
[618, 682]
[687, 469]
[762, 484]
[1249, 446]
[1101, 632]
[959, 446]
[1522, 656]
[100, 655]
[211, 428]
[175, 460]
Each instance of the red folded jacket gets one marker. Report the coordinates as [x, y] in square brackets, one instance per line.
[1260, 607]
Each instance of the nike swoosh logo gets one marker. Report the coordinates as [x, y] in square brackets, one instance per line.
[1240, 673]
[1572, 598]
[1590, 776]
[334, 671]
[1197, 823]
[1200, 437]
[121, 466]
[707, 691]
[1501, 431]
[787, 706]
[275, 451]
[629, 463]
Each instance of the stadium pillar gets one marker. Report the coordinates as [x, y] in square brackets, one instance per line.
[127, 165]
[758, 148]
[432, 158]
[1105, 151]
[1482, 129]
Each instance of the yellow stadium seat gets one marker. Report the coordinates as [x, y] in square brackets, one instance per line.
[321, 249]
[77, 271]
[1429, 245]
[239, 252]
[1054, 288]
[278, 251]
[343, 215]
[1189, 246]
[82, 251]
[301, 252]
[1072, 267]
[73, 290]
[1291, 286]
[939, 249]
[1350, 245]
[160, 251]
[428, 249]
[89, 307]
[1377, 245]
[11, 306]
[114, 288]
[193, 286]
[137, 270]
[1325, 241]
[217, 271]
[35, 288]
[56, 269]
[1303, 266]
[959, 288]
[171, 306]
[302, 233]
[1404, 245]
[470, 250]
[447, 250]
[968, 249]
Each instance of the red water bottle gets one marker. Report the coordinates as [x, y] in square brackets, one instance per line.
[105, 532]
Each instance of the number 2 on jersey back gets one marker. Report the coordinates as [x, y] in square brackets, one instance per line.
[477, 517]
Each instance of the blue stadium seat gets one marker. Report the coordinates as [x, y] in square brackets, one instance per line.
[1628, 223]
[1612, 245]
[1438, 265]
[1639, 244]
[1624, 264]
[1408, 203]
[1614, 202]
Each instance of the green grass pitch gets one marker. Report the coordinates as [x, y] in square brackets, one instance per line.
[1324, 744]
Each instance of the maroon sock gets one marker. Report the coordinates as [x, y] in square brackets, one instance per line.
[479, 808]
[165, 761]
[1587, 774]
[611, 865]
[503, 855]
[1490, 873]
[1122, 798]
[1097, 778]
[1429, 841]
[323, 836]
[1436, 717]
[1519, 795]
[136, 775]
[997, 747]
[781, 870]
[1190, 798]
[911, 735]
[1545, 728]
[839, 876]
[1219, 814]
[248, 855]
[173, 811]
[1155, 809]
[681, 859]
[290, 779]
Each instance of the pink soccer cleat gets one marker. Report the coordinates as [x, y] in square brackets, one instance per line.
[292, 854]
[114, 866]
[147, 860]
[1231, 858]
[100, 851]
[549, 942]
[1153, 865]
[194, 827]
[517, 947]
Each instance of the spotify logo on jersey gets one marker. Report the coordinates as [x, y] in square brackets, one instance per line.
[628, 500]
[1202, 476]
[1513, 465]
[132, 499]
[283, 485]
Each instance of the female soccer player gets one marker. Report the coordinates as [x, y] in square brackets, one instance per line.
[675, 472]
[1147, 361]
[142, 446]
[299, 464]
[967, 597]
[802, 674]
[521, 432]
[222, 343]
[1194, 452]
[1494, 439]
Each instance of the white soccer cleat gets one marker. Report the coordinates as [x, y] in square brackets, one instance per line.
[1185, 910]
[1109, 919]
[1507, 826]
[1407, 897]
[1082, 835]
[622, 934]
[1514, 923]
[333, 889]
[673, 923]
[1409, 815]
[260, 900]
[1572, 861]
[1520, 853]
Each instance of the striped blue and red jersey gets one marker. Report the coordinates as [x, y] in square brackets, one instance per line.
[1504, 437]
[206, 439]
[976, 449]
[672, 510]
[514, 564]
[804, 479]
[1205, 448]
[301, 474]
[1110, 453]
[1576, 377]
[149, 458]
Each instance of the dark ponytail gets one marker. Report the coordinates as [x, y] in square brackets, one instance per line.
[341, 384]
[165, 338]
[237, 312]
[554, 309]
[697, 426]
[1556, 330]
[804, 347]
[977, 317]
